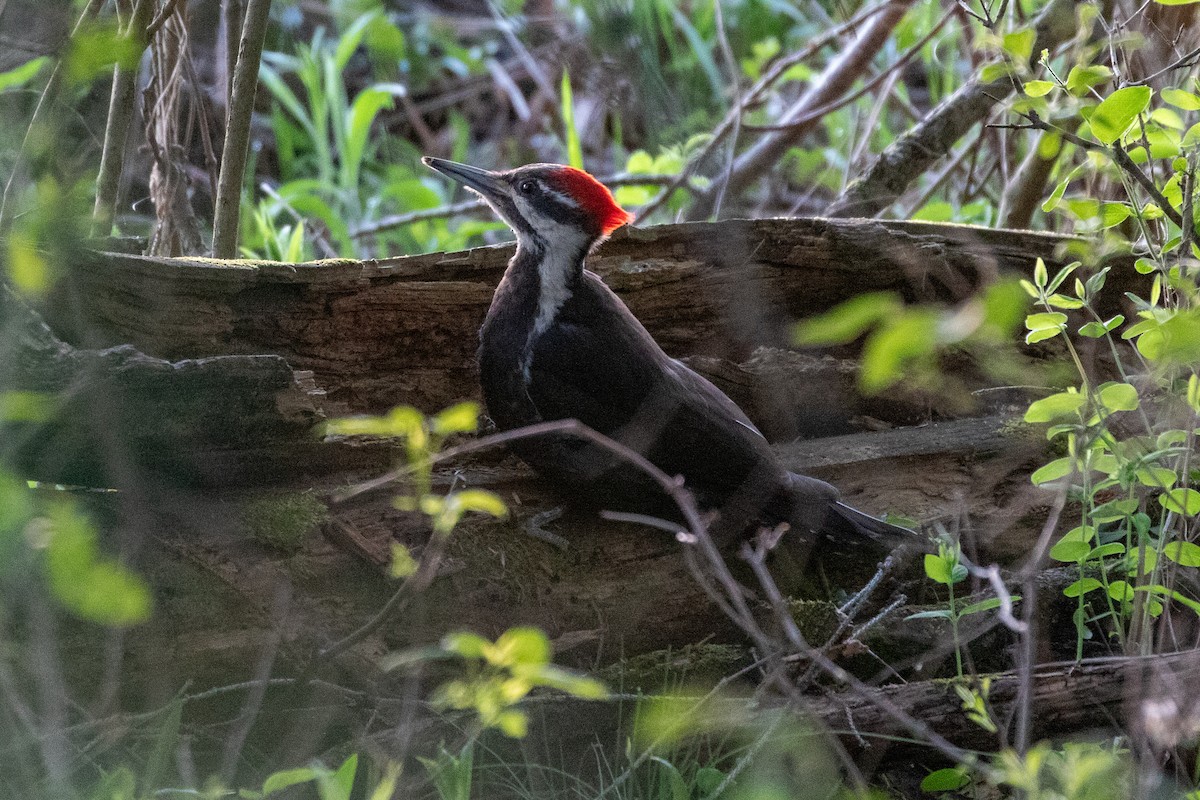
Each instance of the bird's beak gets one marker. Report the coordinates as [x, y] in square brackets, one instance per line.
[486, 183]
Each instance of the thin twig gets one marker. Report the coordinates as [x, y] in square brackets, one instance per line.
[733, 118]
[237, 129]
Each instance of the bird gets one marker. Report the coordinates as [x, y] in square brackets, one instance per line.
[557, 343]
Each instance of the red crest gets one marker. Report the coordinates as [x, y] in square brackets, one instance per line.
[593, 196]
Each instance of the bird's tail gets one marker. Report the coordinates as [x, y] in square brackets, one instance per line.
[845, 519]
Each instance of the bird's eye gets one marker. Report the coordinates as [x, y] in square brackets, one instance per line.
[527, 187]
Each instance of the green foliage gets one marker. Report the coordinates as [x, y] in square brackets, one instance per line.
[946, 568]
[331, 784]
[1076, 771]
[423, 437]
[283, 521]
[336, 176]
[904, 343]
[500, 674]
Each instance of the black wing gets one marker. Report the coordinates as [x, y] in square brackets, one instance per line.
[598, 364]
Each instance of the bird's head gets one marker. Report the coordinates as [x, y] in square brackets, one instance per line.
[544, 204]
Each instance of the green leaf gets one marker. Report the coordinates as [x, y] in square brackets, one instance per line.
[1095, 330]
[1070, 552]
[1075, 545]
[459, 418]
[1105, 551]
[278, 781]
[1082, 586]
[1040, 276]
[895, 347]
[945, 780]
[937, 568]
[521, 645]
[1162, 591]
[1058, 468]
[338, 785]
[574, 147]
[941, 613]
[985, 605]
[570, 682]
[1181, 501]
[1044, 320]
[1019, 44]
[1176, 2]
[1064, 301]
[1120, 590]
[847, 321]
[481, 500]
[465, 644]
[1038, 88]
[1054, 407]
[1080, 79]
[1118, 396]
[1186, 554]
[512, 723]
[18, 77]
[1116, 113]
[403, 564]
[1157, 477]
[91, 585]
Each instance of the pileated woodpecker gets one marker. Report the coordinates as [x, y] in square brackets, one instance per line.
[559, 344]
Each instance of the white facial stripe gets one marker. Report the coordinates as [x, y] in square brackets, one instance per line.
[563, 246]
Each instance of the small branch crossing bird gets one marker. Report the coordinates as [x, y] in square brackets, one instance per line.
[559, 344]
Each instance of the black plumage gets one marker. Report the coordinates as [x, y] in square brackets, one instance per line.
[557, 343]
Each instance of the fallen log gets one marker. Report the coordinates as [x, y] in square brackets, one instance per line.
[115, 416]
[403, 330]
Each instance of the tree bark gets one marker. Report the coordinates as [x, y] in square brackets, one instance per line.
[405, 330]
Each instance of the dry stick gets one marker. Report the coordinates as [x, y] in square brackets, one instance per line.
[1027, 646]
[45, 101]
[912, 154]
[888, 74]
[733, 118]
[116, 130]
[837, 78]
[734, 70]
[237, 129]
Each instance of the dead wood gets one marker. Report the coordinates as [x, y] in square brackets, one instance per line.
[111, 417]
[1141, 695]
[404, 330]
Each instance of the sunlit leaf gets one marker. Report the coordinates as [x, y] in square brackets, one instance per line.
[1116, 113]
[1038, 88]
[1181, 501]
[1082, 586]
[1054, 407]
[1186, 554]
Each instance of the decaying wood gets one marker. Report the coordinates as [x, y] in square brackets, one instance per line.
[404, 330]
[1139, 695]
[108, 417]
